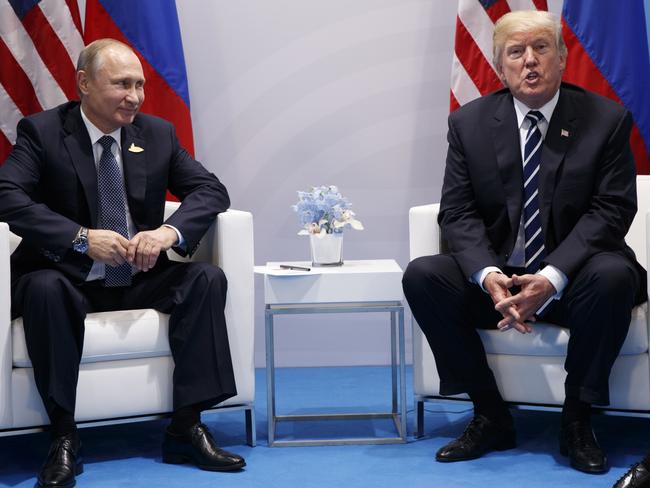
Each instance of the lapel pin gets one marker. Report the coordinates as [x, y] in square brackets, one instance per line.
[564, 133]
[135, 149]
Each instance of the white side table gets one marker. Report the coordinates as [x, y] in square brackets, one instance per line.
[357, 286]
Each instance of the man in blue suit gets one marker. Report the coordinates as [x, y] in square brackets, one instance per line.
[85, 186]
[538, 194]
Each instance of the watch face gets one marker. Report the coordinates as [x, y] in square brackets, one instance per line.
[80, 245]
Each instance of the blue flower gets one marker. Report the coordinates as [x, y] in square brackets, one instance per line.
[324, 210]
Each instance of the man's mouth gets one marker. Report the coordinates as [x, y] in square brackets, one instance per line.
[130, 110]
[532, 76]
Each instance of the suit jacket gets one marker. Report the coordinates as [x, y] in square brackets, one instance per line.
[587, 181]
[48, 187]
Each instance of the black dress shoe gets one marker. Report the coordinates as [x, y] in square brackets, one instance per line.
[577, 440]
[638, 476]
[481, 436]
[197, 446]
[63, 462]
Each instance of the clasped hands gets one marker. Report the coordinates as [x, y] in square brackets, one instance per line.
[141, 251]
[518, 310]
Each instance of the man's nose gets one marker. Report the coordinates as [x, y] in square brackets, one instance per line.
[132, 95]
[529, 56]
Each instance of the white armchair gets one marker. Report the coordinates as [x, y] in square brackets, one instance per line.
[128, 350]
[529, 369]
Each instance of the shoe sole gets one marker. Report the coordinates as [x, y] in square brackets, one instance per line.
[79, 469]
[502, 446]
[564, 450]
[180, 459]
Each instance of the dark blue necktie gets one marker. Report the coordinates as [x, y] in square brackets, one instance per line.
[112, 208]
[534, 237]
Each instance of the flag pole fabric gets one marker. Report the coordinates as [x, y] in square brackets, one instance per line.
[608, 54]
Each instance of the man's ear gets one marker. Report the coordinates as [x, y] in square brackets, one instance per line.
[500, 74]
[82, 81]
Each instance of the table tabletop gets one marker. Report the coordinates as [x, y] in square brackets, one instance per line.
[378, 280]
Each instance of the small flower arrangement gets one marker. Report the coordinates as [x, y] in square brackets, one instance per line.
[324, 211]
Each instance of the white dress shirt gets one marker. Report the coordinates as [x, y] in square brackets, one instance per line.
[97, 272]
[517, 258]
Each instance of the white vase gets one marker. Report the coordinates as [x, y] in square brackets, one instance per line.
[326, 249]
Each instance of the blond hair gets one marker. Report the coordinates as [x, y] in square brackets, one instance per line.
[525, 21]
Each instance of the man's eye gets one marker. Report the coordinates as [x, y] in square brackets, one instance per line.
[515, 53]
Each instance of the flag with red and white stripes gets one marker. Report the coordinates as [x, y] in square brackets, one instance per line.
[610, 58]
[40, 41]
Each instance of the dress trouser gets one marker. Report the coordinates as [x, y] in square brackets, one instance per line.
[596, 306]
[194, 294]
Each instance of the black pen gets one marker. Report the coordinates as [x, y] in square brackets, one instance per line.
[296, 268]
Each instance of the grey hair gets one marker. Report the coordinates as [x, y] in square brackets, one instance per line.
[89, 58]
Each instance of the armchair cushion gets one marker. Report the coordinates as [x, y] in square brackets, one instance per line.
[551, 340]
[110, 336]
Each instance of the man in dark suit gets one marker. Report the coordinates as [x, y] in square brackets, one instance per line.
[85, 188]
[538, 194]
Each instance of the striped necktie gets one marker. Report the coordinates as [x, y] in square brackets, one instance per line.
[112, 208]
[534, 237]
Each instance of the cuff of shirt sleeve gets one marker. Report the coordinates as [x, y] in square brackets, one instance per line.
[181, 242]
[559, 281]
[557, 278]
[480, 275]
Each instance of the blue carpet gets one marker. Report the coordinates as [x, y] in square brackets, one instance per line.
[129, 455]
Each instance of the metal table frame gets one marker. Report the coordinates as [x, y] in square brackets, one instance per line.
[398, 411]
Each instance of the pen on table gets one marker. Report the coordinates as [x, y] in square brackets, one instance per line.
[296, 268]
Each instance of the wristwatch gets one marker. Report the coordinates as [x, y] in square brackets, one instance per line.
[80, 243]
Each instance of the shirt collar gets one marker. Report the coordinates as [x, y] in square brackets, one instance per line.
[95, 133]
[521, 109]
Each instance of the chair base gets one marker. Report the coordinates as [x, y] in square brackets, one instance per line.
[420, 399]
[249, 412]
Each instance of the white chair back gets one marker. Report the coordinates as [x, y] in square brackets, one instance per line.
[636, 237]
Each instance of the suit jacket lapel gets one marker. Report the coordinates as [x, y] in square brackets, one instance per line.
[77, 142]
[562, 129]
[505, 135]
[134, 159]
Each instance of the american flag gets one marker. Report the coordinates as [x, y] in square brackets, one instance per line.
[39, 45]
[473, 74]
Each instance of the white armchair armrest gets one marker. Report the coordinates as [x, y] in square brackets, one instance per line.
[646, 261]
[5, 330]
[229, 244]
[424, 232]
[233, 247]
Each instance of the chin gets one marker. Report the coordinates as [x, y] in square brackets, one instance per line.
[126, 120]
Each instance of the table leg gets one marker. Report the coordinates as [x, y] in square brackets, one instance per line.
[393, 359]
[270, 376]
[402, 369]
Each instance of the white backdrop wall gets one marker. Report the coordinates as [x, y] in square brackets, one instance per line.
[288, 94]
